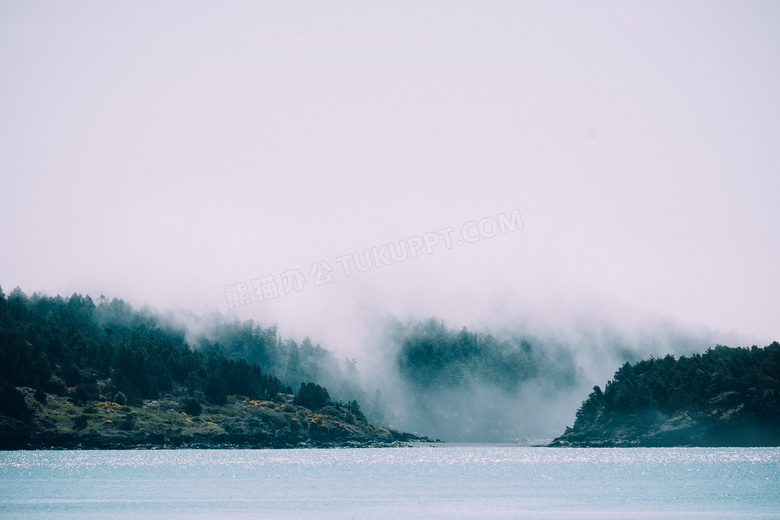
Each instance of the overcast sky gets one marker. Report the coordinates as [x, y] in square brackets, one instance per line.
[165, 152]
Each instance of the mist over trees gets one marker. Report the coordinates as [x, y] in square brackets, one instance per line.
[107, 350]
[86, 351]
[291, 362]
[518, 383]
[471, 386]
[508, 385]
[434, 357]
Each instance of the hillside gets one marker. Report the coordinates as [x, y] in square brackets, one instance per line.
[74, 374]
[163, 423]
[725, 397]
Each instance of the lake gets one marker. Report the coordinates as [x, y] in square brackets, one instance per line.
[411, 483]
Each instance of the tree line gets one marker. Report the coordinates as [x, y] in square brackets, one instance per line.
[747, 377]
[472, 386]
[433, 357]
[87, 351]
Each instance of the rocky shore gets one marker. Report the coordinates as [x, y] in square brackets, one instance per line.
[729, 419]
[161, 424]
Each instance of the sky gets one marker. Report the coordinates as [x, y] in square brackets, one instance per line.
[535, 161]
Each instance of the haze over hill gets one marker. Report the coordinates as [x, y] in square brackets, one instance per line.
[599, 182]
[512, 385]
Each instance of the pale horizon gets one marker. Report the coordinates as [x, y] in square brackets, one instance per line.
[165, 153]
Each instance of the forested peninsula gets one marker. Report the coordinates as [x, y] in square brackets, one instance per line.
[79, 374]
[725, 397]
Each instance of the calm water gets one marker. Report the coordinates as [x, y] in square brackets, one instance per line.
[424, 483]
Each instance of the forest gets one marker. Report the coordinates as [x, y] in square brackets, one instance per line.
[434, 378]
[478, 387]
[444, 382]
[76, 373]
[77, 348]
[724, 397]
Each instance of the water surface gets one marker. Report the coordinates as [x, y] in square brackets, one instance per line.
[413, 483]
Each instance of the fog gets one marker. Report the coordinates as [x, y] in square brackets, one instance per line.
[565, 362]
[522, 382]
[600, 178]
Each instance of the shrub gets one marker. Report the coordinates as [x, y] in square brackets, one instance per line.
[120, 398]
[56, 385]
[81, 421]
[312, 396]
[12, 403]
[128, 421]
[192, 407]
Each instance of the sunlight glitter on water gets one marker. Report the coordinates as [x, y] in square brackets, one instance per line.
[421, 482]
